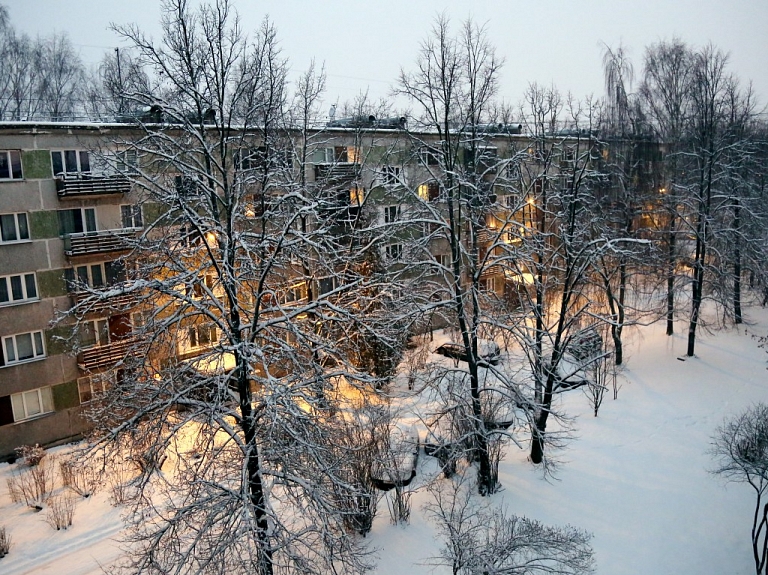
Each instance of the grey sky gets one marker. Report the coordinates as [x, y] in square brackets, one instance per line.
[364, 44]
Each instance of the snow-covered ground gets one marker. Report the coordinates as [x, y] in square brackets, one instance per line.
[636, 476]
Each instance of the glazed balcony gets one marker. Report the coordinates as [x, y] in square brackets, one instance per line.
[102, 241]
[86, 184]
[106, 356]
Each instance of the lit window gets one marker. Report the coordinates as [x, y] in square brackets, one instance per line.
[429, 191]
[10, 165]
[21, 348]
[202, 335]
[31, 403]
[14, 228]
[356, 195]
[17, 289]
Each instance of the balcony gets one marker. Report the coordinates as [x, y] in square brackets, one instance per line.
[103, 241]
[81, 185]
[103, 356]
[122, 302]
[336, 172]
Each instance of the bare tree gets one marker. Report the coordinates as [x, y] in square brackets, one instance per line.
[232, 368]
[740, 448]
[453, 86]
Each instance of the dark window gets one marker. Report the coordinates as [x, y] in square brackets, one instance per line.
[131, 216]
[10, 165]
[77, 221]
[70, 161]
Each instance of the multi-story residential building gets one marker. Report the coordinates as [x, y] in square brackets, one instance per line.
[65, 219]
[62, 223]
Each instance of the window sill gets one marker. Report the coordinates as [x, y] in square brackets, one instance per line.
[15, 242]
[15, 303]
[34, 417]
[24, 362]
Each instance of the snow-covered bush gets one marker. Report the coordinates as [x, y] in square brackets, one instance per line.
[61, 511]
[30, 455]
[33, 485]
[79, 477]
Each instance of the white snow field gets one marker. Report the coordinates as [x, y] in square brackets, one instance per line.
[636, 476]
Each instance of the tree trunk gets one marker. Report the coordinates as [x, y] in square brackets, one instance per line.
[737, 318]
[671, 278]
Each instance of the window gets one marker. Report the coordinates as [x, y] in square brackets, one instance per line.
[186, 185]
[429, 156]
[394, 251]
[92, 275]
[127, 161]
[131, 216]
[328, 284]
[202, 335]
[490, 284]
[390, 174]
[20, 288]
[196, 290]
[443, 260]
[22, 347]
[391, 214]
[93, 332]
[295, 293]
[429, 191]
[356, 195]
[141, 319]
[77, 221]
[92, 386]
[513, 171]
[70, 162]
[13, 228]
[10, 165]
[342, 154]
[31, 403]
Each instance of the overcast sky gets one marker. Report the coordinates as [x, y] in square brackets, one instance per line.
[364, 44]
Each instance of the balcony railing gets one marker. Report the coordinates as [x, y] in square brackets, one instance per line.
[98, 242]
[120, 302]
[103, 356]
[78, 185]
[336, 172]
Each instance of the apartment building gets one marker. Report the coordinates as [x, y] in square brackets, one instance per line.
[62, 221]
[66, 218]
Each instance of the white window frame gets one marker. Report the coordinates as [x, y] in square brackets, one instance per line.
[90, 386]
[25, 296]
[443, 260]
[131, 213]
[32, 403]
[84, 219]
[17, 227]
[390, 175]
[394, 252]
[9, 154]
[10, 343]
[79, 155]
[391, 213]
[100, 328]
[209, 327]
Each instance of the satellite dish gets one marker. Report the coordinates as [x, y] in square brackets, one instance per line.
[332, 112]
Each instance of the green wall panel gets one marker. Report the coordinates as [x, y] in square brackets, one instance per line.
[36, 164]
[44, 224]
[65, 395]
[55, 339]
[51, 283]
